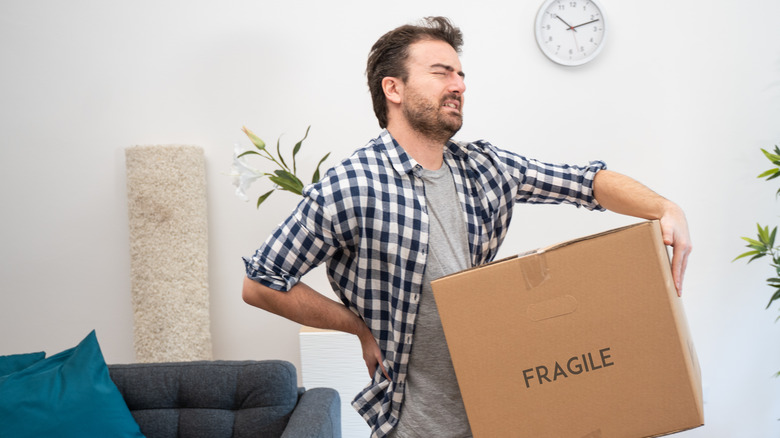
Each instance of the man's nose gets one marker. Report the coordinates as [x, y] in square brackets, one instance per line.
[458, 84]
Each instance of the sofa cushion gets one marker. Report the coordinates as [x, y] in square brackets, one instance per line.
[16, 362]
[209, 398]
[66, 395]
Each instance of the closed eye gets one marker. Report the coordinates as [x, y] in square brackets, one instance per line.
[443, 69]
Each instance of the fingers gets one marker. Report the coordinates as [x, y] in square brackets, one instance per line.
[681, 244]
[675, 233]
[372, 354]
[371, 365]
[668, 236]
[679, 263]
[384, 371]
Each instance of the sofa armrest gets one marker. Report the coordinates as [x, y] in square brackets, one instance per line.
[317, 415]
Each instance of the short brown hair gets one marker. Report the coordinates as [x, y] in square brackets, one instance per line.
[389, 54]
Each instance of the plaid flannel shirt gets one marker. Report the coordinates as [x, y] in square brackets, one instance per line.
[367, 220]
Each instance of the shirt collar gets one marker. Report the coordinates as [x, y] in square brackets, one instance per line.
[401, 161]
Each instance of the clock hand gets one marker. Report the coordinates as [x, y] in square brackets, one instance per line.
[576, 44]
[583, 24]
[564, 22]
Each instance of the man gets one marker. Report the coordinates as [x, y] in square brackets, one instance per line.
[410, 207]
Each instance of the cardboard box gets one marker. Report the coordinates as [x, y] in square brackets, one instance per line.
[586, 338]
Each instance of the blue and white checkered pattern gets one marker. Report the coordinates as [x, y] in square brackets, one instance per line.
[367, 220]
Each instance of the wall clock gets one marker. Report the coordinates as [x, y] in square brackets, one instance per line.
[571, 32]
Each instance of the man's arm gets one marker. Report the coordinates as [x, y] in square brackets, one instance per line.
[623, 195]
[306, 306]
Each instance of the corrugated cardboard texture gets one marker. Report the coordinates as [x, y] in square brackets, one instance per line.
[583, 339]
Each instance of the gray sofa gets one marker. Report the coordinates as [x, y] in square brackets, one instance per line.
[215, 399]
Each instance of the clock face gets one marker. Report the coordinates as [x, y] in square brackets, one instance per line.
[570, 32]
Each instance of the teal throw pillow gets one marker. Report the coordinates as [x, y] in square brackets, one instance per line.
[15, 362]
[66, 395]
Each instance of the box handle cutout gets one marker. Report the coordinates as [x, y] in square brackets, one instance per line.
[552, 308]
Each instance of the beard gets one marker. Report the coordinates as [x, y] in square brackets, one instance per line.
[428, 119]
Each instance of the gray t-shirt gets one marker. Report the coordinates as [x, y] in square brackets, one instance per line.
[432, 405]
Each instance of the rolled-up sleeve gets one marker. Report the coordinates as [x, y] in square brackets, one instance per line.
[560, 183]
[299, 244]
[537, 182]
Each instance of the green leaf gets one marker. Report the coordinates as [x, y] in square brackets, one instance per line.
[316, 176]
[747, 254]
[767, 173]
[260, 144]
[286, 174]
[279, 153]
[756, 257]
[283, 184]
[771, 242]
[263, 197]
[770, 156]
[763, 234]
[766, 234]
[297, 148]
[287, 181]
[774, 297]
[247, 153]
[753, 242]
[775, 175]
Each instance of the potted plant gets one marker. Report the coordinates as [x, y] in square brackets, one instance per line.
[764, 243]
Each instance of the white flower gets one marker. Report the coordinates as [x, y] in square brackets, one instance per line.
[243, 175]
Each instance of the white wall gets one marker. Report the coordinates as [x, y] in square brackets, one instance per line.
[682, 98]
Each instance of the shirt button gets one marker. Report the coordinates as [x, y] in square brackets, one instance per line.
[415, 298]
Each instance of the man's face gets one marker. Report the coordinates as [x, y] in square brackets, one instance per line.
[433, 93]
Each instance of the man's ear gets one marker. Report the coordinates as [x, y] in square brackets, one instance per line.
[393, 88]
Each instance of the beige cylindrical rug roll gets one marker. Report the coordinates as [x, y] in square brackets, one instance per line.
[166, 190]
